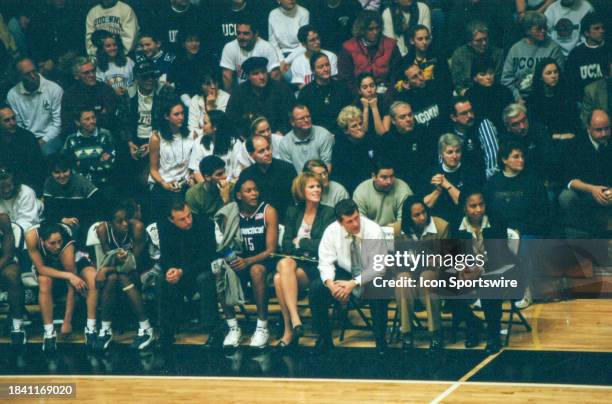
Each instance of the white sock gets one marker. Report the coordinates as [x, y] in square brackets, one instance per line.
[232, 323]
[144, 325]
[91, 324]
[106, 325]
[17, 323]
[49, 330]
[262, 323]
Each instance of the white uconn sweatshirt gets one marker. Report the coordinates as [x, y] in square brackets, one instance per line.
[118, 19]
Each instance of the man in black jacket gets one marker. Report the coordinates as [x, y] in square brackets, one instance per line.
[429, 100]
[406, 146]
[588, 197]
[260, 96]
[273, 176]
[136, 128]
[86, 90]
[187, 246]
[20, 151]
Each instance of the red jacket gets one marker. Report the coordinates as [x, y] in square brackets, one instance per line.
[355, 59]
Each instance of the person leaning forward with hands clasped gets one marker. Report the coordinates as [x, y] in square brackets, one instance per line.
[341, 271]
[586, 201]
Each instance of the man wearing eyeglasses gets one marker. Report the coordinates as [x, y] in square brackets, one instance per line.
[305, 141]
[524, 55]
[88, 91]
[477, 47]
[587, 200]
[479, 136]
[36, 102]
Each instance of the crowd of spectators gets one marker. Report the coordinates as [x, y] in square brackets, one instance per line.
[203, 126]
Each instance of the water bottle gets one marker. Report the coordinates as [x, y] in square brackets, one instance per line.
[229, 255]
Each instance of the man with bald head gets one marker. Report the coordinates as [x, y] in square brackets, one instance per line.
[36, 102]
[588, 197]
[20, 151]
[408, 148]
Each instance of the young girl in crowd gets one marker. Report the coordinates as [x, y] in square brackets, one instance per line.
[113, 67]
[376, 120]
[209, 98]
[170, 148]
[217, 138]
[421, 54]
[550, 103]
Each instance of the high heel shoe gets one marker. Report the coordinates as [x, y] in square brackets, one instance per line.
[284, 348]
[298, 332]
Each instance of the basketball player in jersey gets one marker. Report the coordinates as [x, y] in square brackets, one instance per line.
[126, 235]
[10, 280]
[258, 226]
[55, 258]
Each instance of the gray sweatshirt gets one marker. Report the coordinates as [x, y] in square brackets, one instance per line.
[521, 61]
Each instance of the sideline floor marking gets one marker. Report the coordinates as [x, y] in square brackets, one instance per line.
[465, 377]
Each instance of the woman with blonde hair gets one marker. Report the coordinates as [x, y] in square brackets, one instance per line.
[352, 151]
[304, 226]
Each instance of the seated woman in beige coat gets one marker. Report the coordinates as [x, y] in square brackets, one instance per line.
[418, 225]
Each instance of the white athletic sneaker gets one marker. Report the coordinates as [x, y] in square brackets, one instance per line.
[232, 339]
[143, 339]
[523, 303]
[260, 338]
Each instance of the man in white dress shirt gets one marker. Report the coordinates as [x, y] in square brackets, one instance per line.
[341, 266]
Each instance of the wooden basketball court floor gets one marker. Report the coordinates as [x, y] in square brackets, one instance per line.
[571, 342]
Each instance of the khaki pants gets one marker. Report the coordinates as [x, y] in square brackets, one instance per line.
[405, 303]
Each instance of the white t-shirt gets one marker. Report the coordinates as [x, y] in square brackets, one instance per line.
[283, 27]
[23, 208]
[230, 158]
[233, 56]
[300, 68]
[145, 113]
[197, 110]
[564, 23]
[424, 19]
[118, 77]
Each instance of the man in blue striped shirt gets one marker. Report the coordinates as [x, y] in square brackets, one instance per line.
[479, 136]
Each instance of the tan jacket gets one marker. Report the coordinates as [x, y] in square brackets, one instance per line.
[595, 97]
[6, 37]
[441, 229]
